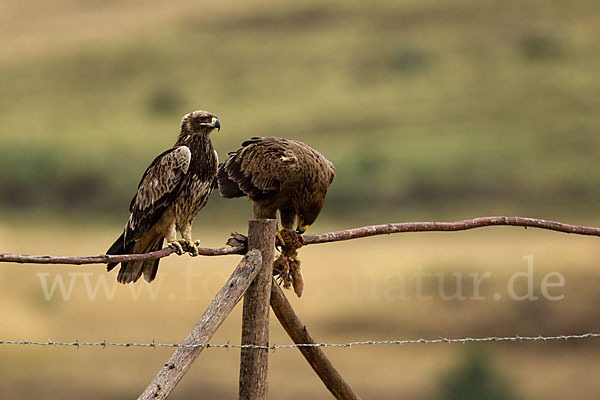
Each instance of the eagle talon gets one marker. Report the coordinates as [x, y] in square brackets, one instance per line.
[189, 247]
[279, 242]
[176, 245]
[302, 240]
[193, 248]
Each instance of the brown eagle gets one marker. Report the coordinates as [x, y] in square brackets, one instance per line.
[278, 174]
[173, 189]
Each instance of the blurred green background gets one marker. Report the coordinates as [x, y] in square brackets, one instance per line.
[429, 109]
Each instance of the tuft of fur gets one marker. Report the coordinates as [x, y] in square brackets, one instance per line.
[286, 267]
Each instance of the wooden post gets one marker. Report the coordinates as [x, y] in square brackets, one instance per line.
[255, 315]
[233, 290]
[314, 355]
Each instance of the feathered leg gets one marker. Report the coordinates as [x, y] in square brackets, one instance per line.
[172, 241]
[288, 217]
[192, 247]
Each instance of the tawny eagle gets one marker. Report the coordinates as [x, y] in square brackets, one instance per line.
[278, 174]
[173, 189]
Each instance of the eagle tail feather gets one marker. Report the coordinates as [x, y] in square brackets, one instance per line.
[132, 271]
[118, 247]
[150, 267]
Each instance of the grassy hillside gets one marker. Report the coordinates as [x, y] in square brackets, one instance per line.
[427, 108]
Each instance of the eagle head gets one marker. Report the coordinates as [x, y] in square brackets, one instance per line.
[309, 209]
[200, 121]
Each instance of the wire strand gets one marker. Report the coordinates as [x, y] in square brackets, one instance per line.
[465, 340]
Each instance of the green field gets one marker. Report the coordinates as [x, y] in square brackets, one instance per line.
[429, 109]
[426, 108]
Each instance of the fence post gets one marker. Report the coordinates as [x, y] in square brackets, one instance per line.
[255, 314]
[179, 363]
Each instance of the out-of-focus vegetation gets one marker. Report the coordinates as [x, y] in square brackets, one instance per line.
[474, 378]
[428, 108]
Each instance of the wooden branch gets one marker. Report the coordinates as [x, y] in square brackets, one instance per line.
[105, 258]
[233, 290]
[255, 315]
[315, 356]
[328, 237]
[467, 224]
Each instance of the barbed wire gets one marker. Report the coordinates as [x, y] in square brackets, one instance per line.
[465, 340]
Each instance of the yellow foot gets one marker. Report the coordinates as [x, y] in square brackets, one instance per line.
[289, 239]
[176, 245]
[300, 229]
[193, 248]
[185, 246]
[189, 247]
[280, 242]
[301, 239]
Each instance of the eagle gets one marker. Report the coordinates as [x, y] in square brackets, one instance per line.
[173, 189]
[278, 175]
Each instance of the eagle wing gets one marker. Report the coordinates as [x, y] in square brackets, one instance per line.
[259, 167]
[157, 190]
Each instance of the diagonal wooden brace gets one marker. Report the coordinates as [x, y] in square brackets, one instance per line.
[315, 356]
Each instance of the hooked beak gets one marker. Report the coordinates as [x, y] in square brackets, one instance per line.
[300, 229]
[216, 124]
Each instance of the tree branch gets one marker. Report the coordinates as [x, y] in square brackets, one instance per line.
[467, 224]
[105, 258]
[348, 234]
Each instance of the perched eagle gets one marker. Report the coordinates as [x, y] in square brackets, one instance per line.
[173, 189]
[278, 174]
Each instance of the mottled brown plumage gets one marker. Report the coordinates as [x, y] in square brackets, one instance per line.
[278, 174]
[173, 189]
